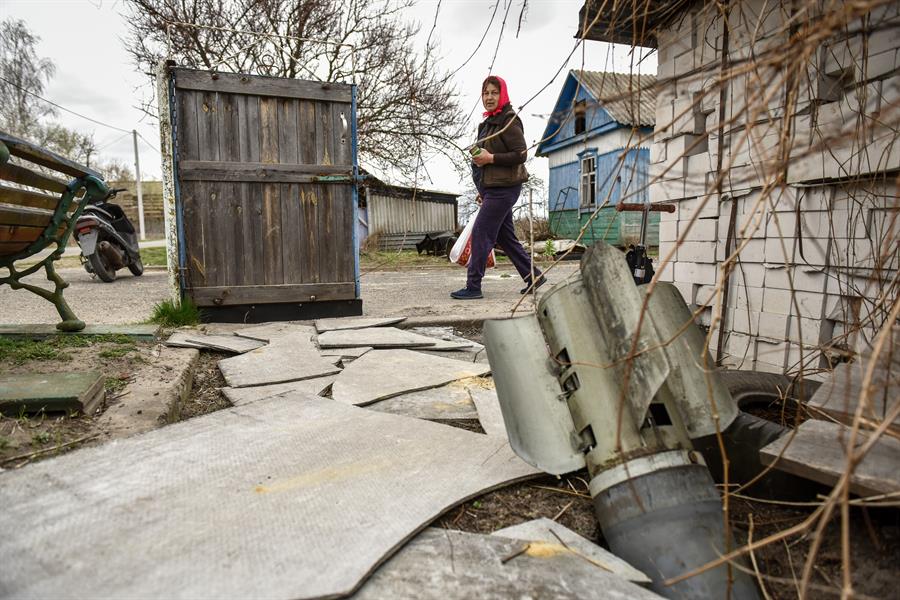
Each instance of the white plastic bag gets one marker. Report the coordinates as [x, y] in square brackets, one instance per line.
[462, 249]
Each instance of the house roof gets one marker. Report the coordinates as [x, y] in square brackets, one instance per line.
[623, 23]
[629, 100]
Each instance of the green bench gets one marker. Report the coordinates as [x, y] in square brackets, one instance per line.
[37, 210]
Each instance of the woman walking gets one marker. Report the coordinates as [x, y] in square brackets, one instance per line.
[498, 171]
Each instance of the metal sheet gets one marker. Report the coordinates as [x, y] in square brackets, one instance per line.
[538, 421]
[277, 499]
[442, 564]
[699, 393]
[619, 305]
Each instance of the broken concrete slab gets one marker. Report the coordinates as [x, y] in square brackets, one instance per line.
[155, 396]
[275, 332]
[283, 498]
[345, 352]
[442, 564]
[222, 343]
[51, 392]
[375, 337]
[323, 325]
[445, 403]
[289, 357]
[818, 452]
[381, 374]
[543, 530]
[447, 334]
[488, 406]
[139, 331]
[246, 395]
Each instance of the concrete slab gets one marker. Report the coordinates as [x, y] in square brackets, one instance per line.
[447, 334]
[272, 332]
[345, 352]
[141, 331]
[323, 325]
[51, 392]
[246, 395]
[441, 564]
[277, 499]
[488, 406]
[382, 374]
[222, 343]
[543, 530]
[375, 337]
[286, 358]
[445, 403]
[155, 396]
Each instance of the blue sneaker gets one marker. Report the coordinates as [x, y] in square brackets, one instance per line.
[466, 294]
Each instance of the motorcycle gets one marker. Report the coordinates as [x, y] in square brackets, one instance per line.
[107, 239]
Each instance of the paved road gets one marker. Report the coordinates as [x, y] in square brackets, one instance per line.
[412, 292]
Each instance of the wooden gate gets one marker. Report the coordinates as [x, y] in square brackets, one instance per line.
[265, 194]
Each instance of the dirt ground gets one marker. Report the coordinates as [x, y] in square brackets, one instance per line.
[29, 438]
[36, 437]
[874, 533]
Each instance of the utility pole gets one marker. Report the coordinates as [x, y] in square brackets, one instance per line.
[137, 183]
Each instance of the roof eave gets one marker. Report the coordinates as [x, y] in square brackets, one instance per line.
[620, 25]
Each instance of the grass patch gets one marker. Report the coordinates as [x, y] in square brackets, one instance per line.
[115, 384]
[115, 352]
[22, 351]
[154, 257]
[378, 259]
[168, 315]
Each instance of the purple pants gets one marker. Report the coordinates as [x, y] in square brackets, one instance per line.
[494, 225]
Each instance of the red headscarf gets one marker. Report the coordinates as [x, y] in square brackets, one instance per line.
[504, 96]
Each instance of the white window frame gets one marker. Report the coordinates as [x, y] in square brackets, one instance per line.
[588, 188]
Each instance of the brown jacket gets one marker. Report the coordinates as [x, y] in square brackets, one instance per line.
[507, 144]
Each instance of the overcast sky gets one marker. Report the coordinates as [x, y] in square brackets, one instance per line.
[96, 78]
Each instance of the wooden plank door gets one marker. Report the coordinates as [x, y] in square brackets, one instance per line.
[265, 200]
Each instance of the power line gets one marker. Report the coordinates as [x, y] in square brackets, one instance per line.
[146, 141]
[59, 106]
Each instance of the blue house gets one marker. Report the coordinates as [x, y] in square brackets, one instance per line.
[597, 141]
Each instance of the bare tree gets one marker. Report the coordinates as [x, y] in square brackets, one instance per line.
[408, 108]
[22, 71]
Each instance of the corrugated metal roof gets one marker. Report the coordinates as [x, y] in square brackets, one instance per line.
[629, 99]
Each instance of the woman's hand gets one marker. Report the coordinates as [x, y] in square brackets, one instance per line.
[484, 158]
[478, 199]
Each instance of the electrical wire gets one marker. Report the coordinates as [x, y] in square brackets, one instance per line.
[61, 107]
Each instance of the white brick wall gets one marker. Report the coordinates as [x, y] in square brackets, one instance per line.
[805, 273]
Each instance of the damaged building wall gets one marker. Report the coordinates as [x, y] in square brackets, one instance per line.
[776, 137]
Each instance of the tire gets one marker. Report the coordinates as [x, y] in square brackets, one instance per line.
[750, 388]
[136, 267]
[99, 267]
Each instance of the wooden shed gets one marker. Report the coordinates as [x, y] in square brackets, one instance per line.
[401, 216]
[260, 181]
